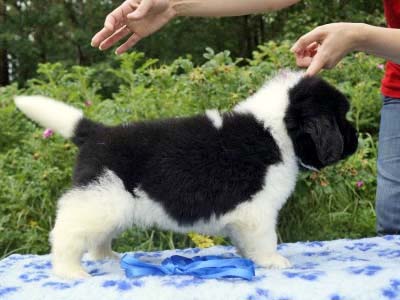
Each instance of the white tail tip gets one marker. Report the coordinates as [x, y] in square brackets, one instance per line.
[50, 113]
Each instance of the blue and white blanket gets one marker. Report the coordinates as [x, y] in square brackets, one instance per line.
[335, 270]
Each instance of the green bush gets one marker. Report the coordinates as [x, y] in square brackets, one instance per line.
[335, 203]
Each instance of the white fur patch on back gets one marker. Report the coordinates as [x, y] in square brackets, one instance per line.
[215, 117]
[269, 103]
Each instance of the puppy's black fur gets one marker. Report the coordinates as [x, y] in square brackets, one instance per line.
[195, 170]
[316, 122]
[190, 167]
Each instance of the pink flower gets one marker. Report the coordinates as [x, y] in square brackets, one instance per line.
[360, 184]
[88, 103]
[380, 66]
[47, 133]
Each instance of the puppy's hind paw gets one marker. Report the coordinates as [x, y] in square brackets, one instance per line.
[100, 255]
[274, 261]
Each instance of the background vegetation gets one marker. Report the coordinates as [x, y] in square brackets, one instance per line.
[37, 31]
[174, 76]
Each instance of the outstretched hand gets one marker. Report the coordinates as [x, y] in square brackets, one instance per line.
[134, 18]
[325, 46]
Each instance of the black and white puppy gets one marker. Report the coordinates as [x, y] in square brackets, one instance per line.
[219, 173]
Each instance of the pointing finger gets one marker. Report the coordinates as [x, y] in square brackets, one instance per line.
[316, 65]
[121, 33]
[128, 44]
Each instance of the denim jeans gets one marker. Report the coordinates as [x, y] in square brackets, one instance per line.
[388, 189]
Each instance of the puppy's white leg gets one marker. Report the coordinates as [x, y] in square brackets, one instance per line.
[67, 251]
[259, 243]
[87, 219]
[103, 250]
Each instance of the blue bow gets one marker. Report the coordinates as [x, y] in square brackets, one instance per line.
[209, 266]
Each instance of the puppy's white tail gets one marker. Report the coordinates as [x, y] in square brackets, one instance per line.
[50, 113]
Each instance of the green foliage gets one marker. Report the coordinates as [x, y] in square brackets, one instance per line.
[335, 203]
[38, 31]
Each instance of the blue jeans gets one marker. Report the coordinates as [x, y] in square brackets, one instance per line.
[388, 189]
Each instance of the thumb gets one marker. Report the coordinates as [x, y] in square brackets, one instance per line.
[142, 10]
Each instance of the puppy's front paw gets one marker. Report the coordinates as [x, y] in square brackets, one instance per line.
[71, 273]
[273, 261]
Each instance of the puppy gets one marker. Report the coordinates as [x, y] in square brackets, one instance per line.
[220, 173]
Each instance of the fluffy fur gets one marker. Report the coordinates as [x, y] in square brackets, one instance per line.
[227, 174]
[60, 117]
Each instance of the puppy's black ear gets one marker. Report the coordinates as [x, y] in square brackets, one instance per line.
[350, 137]
[326, 136]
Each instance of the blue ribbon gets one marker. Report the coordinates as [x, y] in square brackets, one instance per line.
[209, 266]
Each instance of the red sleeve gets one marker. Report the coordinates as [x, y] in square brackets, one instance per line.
[391, 81]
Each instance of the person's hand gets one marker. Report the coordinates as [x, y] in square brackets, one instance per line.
[137, 18]
[325, 46]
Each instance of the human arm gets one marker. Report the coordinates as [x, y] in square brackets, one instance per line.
[223, 8]
[325, 46]
[140, 18]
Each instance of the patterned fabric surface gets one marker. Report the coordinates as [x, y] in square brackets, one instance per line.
[335, 270]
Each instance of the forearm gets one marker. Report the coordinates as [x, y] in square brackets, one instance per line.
[379, 41]
[224, 8]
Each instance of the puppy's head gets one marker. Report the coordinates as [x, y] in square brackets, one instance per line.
[316, 122]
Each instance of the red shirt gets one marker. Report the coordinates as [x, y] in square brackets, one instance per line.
[391, 82]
